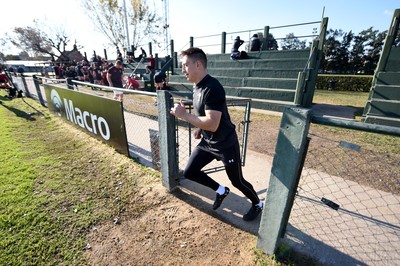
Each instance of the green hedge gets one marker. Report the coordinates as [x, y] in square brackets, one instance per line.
[345, 82]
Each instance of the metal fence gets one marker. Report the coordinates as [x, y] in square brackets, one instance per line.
[347, 204]
[329, 199]
[239, 111]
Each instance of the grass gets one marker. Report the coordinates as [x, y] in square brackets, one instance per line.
[52, 189]
[343, 98]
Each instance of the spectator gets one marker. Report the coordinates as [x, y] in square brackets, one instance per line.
[236, 44]
[143, 54]
[151, 64]
[161, 80]
[114, 77]
[132, 83]
[255, 43]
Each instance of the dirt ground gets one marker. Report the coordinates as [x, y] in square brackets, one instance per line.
[180, 231]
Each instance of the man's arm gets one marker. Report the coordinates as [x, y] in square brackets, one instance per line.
[109, 80]
[209, 122]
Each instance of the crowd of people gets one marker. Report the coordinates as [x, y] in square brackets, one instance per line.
[94, 72]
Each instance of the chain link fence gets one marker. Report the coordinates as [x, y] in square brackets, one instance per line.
[348, 203]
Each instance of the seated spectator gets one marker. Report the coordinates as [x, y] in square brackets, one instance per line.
[161, 80]
[255, 43]
[132, 83]
[236, 44]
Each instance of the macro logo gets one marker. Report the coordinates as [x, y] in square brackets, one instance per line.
[89, 121]
[56, 99]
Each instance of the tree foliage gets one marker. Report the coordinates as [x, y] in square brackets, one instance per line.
[39, 42]
[108, 16]
[291, 42]
[347, 53]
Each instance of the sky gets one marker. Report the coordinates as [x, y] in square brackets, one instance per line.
[206, 17]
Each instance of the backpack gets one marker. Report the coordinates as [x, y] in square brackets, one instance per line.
[243, 55]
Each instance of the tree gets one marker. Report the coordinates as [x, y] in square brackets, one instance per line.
[108, 18]
[291, 42]
[39, 42]
[366, 50]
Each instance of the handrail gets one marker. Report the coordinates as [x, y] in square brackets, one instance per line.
[373, 128]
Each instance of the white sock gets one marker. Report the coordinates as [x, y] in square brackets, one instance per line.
[260, 204]
[220, 190]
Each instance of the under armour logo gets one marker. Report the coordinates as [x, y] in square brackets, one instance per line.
[231, 161]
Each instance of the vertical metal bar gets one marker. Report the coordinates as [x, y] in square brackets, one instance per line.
[39, 92]
[246, 130]
[223, 42]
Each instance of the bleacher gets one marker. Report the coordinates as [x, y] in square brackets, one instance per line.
[273, 79]
[383, 105]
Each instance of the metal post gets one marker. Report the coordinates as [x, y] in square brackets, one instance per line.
[167, 134]
[27, 93]
[39, 92]
[223, 42]
[171, 43]
[191, 42]
[150, 49]
[105, 54]
[288, 159]
[266, 38]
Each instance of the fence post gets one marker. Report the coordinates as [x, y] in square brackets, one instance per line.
[27, 93]
[39, 92]
[105, 54]
[265, 39]
[191, 42]
[167, 134]
[223, 42]
[70, 84]
[286, 169]
[150, 48]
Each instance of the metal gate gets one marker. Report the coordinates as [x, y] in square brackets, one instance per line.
[239, 111]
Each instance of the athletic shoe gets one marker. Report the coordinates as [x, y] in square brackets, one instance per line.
[220, 198]
[252, 214]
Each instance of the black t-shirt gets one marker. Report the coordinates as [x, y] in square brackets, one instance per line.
[116, 76]
[209, 94]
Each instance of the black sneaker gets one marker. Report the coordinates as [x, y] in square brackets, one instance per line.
[252, 214]
[220, 198]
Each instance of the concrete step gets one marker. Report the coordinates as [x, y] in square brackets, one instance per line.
[386, 108]
[245, 72]
[386, 92]
[261, 93]
[382, 120]
[275, 94]
[260, 63]
[388, 78]
[393, 63]
[271, 54]
[247, 82]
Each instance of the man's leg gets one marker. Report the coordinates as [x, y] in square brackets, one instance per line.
[233, 168]
[198, 159]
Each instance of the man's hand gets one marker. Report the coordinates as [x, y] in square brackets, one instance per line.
[178, 110]
[197, 133]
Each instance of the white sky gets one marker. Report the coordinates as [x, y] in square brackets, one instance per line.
[206, 17]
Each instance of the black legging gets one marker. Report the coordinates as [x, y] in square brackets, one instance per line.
[202, 156]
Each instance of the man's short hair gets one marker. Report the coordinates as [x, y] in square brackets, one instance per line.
[196, 54]
[118, 63]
